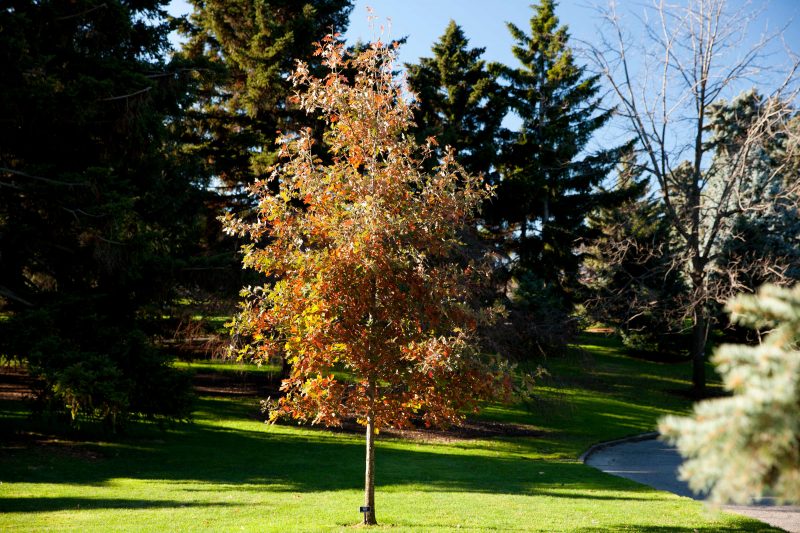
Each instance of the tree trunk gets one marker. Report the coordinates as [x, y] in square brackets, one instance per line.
[286, 368]
[699, 339]
[700, 294]
[369, 473]
[699, 261]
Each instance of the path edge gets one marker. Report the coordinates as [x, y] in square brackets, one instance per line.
[607, 444]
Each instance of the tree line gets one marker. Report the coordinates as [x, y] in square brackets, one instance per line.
[118, 154]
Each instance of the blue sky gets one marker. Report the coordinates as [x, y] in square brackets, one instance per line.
[483, 21]
[484, 24]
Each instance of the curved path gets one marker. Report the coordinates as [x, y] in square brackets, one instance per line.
[656, 463]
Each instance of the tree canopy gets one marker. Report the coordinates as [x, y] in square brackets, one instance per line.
[549, 172]
[97, 213]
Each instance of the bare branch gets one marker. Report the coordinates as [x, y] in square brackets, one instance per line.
[5, 292]
[84, 12]
[126, 96]
[695, 53]
[11, 171]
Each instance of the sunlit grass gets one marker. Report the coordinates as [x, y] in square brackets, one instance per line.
[230, 471]
[226, 366]
[596, 393]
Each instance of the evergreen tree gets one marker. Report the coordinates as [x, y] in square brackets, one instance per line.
[459, 102]
[757, 243]
[745, 447]
[249, 47]
[628, 268]
[96, 207]
[549, 174]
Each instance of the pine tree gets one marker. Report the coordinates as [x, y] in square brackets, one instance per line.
[628, 268]
[97, 210]
[746, 446]
[549, 176]
[249, 48]
[758, 243]
[460, 101]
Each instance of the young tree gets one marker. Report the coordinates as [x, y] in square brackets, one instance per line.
[696, 53]
[549, 172]
[460, 102]
[358, 257]
[747, 446]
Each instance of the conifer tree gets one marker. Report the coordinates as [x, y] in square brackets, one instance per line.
[628, 268]
[747, 446]
[460, 101]
[248, 47]
[549, 174]
[97, 209]
[761, 242]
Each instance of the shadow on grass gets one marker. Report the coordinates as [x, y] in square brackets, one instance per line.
[745, 525]
[279, 459]
[598, 393]
[48, 504]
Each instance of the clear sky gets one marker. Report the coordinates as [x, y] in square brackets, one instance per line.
[483, 21]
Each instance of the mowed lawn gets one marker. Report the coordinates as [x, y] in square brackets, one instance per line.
[228, 471]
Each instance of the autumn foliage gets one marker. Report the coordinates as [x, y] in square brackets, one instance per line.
[357, 254]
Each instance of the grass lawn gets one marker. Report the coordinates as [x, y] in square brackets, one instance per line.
[229, 471]
[223, 366]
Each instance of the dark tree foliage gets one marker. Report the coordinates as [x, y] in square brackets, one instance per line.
[96, 205]
[550, 172]
[248, 48]
[245, 50]
[630, 279]
[460, 102]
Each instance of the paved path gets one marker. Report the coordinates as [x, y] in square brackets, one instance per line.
[655, 463]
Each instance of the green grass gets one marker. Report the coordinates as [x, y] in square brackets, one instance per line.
[226, 366]
[229, 471]
[223, 366]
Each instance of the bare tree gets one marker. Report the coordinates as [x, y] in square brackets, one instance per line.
[691, 57]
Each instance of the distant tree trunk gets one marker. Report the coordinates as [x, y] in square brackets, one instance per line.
[698, 263]
[286, 368]
[369, 472]
[699, 340]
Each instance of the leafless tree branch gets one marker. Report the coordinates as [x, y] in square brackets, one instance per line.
[693, 56]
